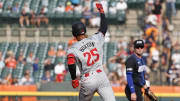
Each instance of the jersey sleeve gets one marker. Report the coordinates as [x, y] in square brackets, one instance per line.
[129, 71]
[99, 37]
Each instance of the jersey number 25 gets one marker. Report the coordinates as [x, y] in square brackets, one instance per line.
[93, 53]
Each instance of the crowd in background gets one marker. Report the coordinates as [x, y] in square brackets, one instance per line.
[86, 9]
[161, 53]
[52, 71]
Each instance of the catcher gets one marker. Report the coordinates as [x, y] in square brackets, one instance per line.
[135, 71]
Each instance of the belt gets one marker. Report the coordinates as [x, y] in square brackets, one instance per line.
[87, 74]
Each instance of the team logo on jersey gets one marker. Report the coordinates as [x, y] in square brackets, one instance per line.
[129, 69]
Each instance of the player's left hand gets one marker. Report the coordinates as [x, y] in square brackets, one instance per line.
[75, 83]
[100, 7]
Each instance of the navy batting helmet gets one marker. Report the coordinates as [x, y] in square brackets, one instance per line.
[78, 28]
[138, 43]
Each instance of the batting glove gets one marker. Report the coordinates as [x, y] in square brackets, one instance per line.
[99, 7]
[75, 83]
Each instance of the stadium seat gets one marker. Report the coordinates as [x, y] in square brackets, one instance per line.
[3, 33]
[30, 33]
[15, 33]
[56, 32]
[121, 16]
[67, 30]
[44, 33]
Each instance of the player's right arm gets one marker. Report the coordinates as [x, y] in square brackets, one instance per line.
[71, 61]
[129, 72]
[103, 23]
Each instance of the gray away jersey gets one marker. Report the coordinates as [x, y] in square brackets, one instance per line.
[89, 53]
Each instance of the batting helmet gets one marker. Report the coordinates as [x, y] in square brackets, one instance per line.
[78, 28]
[138, 43]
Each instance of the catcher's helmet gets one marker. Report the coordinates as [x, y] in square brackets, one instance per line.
[78, 28]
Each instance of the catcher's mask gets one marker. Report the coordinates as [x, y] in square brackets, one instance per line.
[78, 28]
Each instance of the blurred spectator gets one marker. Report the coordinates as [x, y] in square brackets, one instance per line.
[154, 54]
[170, 9]
[8, 10]
[105, 5]
[78, 9]
[151, 32]
[48, 65]
[151, 19]
[149, 6]
[122, 44]
[45, 2]
[87, 3]
[10, 61]
[33, 18]
[51, 52]
[42, 16]
[113, 63]
[112, 8]
[176, 58]
[121, 5]
[86, 16]
[1, 7]
[21, 59]
[122, 73]
[122, 53]
[24, 15]
[94, 8]
[7, 80]
[60, 72]
[157, 10]
[172, 74]
[16, 8]
[2, 65]
[114, 79]
[95, 20]
[60, 52]
[47, 77]
[35, 65]
[15, 81]
[75, 2]
[69, 7]
[26, 80]
[30, 58]
[59, 9]
[164, 59]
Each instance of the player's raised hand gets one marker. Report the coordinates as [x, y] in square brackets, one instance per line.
[100, 7]
[75, 83]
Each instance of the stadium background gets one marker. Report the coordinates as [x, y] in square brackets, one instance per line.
[30, 44]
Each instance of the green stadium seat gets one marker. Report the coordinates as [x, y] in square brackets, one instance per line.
[6, 71]
[67, 30]
[3, 33]
[44, 33]
[15, 33]
[121, 15]
[30, 33]
[56, 32]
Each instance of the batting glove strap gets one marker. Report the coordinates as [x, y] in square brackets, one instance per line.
[75, 83]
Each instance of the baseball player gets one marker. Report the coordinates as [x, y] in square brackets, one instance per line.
[135, 71]
[87, 54]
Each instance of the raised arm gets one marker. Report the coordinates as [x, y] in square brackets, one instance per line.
[103, 26]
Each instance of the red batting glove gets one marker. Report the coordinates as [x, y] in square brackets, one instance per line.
[75, 83]
[99, 7]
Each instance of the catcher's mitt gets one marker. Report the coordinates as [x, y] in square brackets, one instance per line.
[149, 96]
